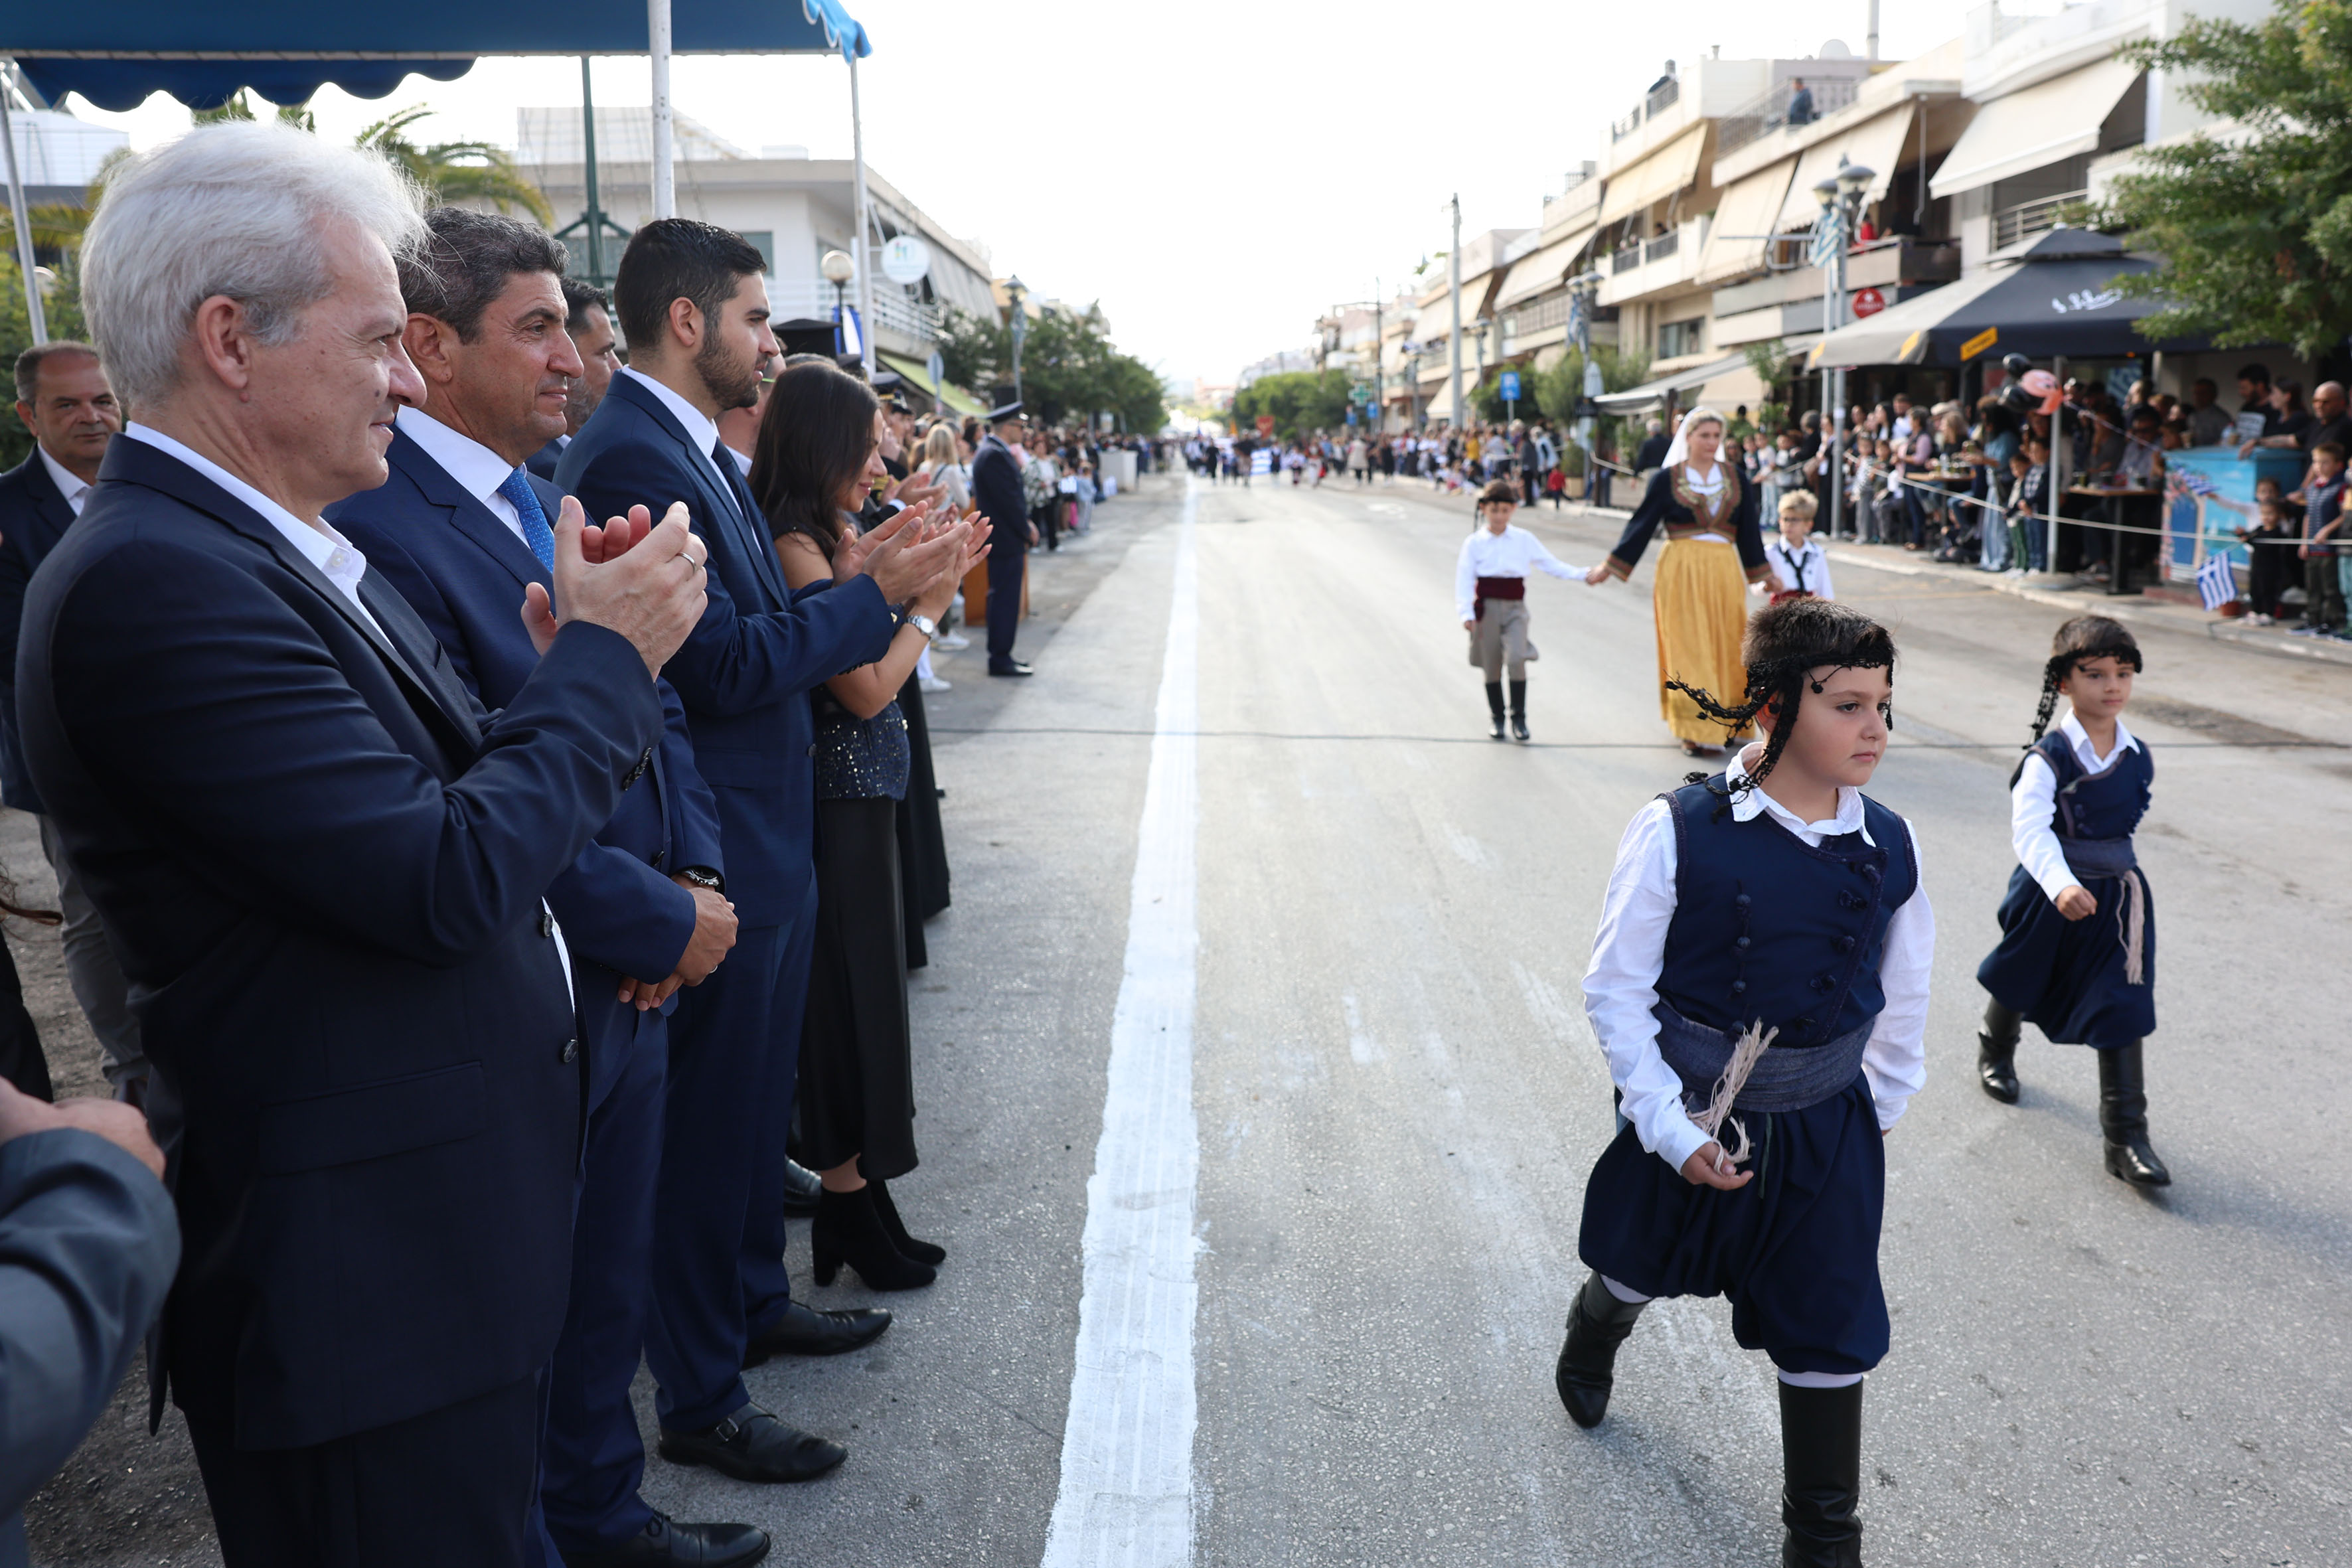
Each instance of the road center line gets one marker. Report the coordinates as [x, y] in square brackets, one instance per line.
[1125, 1497]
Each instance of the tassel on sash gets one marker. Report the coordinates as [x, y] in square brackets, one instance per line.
[2131, 924]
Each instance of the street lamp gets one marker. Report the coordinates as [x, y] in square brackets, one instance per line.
[1583, 295]
[838, 269]
[1840, 200]
[1015, 291]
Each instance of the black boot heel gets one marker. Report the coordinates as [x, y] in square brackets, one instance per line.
[928, 1252]
[847, 1230]
[1598, 1323]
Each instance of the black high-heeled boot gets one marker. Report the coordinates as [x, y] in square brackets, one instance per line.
[1519, 708]
[1821, 1468]
[929, 1252]
[847, 1230]
[1997, 1040]
[1495, 707]
[2122, 1118]
[1598, 1323]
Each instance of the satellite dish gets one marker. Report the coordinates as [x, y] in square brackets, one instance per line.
[905, 259]
[1836, 49]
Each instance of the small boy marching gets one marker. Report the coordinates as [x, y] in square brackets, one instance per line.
[1760, 986]
[1490, 591]
[2077, 953]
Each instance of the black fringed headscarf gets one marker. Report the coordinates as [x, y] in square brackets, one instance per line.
[1786, 642]
[2079, 639]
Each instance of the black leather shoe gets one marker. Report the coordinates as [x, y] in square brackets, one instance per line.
[1519, 727]
[804, 1330]
[754, 1445]
[2122, 1118]
[665, 1543]
[1597, 1324]
[1012, 666]
[1997, 1068]
[800, 1189]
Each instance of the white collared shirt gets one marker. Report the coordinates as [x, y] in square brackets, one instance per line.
[1629, 956]
[1509, 553]
[2034, 806]
[475, 467]
[70, 485]
[1808, 568]
[702, 430]
[327, 550]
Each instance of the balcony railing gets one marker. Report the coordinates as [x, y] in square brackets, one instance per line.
[1770, 113]
[2029, 218]
[1536, 317]
[812, 297]
[1625, 259]
[1666, 245]
[1661, 98]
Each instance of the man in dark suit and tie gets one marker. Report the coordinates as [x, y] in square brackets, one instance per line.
[996, 491]
[461, 530]
[65, 400]
[323, 863]
[694, 308]
[590, 325]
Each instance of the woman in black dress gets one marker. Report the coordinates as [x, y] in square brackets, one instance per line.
[819, 449]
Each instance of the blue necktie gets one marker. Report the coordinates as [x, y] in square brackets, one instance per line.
[535, 532]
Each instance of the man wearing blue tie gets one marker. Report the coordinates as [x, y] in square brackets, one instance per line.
[694, 308]
[461, 528]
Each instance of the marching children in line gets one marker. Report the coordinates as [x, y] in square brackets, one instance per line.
[1490, 592]
[1771, 906]
[1799, 564]
[2077, 953]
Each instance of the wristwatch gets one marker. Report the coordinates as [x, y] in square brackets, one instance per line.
[925, 624]
[702, 876]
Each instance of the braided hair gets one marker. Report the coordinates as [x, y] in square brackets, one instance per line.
[1786, 642]
[2080, 639]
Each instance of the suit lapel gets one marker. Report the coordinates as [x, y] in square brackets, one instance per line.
[48, 501]
[467, 513]
[719, 503]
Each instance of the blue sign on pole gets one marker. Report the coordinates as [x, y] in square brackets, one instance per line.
[1510, 388]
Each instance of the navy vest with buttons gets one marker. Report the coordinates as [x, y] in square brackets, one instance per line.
[1768, 927]
[2096, 806]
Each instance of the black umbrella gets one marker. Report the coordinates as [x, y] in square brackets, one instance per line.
[2060, 294]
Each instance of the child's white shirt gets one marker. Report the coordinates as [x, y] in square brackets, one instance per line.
[1629, 954]
[1808, 568]
[2034, 806]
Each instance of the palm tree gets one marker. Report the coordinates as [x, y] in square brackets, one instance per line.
[456, 171]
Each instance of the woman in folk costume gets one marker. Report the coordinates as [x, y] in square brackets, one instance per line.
[1714, 548]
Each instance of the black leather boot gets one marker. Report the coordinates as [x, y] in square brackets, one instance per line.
[1495, 707]
[847, 1230]
[929, 1252]
[1598, 1323]
[1997, 1052]
[1820, 1469]
[1519, 708]
[2122, 1118]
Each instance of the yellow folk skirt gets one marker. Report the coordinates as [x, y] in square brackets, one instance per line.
[1700, 599]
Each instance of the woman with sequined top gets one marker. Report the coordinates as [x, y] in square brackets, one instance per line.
[819, 450]
[1713, 548]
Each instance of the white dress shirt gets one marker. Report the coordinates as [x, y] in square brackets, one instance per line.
[329, 551]
[70, 485]
[2033, 806]
[1811, 563]
[1629, 954]
[702, 430]
[473, 466]
[1509, 553]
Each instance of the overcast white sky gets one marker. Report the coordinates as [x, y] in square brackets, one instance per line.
[1214, 176]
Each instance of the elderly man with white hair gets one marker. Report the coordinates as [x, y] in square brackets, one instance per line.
[322, 861]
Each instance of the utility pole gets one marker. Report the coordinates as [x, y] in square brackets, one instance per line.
[1454, 344]
[657, 46]
[1379, 347]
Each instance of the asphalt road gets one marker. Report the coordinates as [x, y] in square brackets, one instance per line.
[1397, 1100]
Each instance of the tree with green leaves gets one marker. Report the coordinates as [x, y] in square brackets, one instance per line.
[1069, 369]
[2255, 228]
[1560, 388]
[1301, 402]
[455, 170]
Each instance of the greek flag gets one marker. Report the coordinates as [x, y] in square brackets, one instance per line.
[2216, 586]
[1829, 239]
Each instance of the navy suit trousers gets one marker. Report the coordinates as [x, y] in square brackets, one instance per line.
[767, 1289]
[1004, 570]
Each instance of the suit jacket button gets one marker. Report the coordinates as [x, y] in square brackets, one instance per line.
[571, 1052]
[812, 748]
[546, 922]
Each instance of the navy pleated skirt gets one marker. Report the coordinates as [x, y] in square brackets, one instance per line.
[1796, 1250]
[2067, 976]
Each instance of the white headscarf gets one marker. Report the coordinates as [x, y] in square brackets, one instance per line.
[1679, 451]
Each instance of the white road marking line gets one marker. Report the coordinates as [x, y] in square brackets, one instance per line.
[1125, 1496]
[1361, 1047]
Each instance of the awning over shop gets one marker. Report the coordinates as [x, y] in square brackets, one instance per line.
[1655, 177]
[950, 396]
[2059, 297]
[1541, 270]
[1440, 407]
[1436, 318]
[2047, 121]
[1653, 394]
[1877, 144]
[1745, 218]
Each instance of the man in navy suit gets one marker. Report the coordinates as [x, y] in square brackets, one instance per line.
[694, 308]
[322, 863]
[461, 530]
[590, 324]
[65, 400]
[996, 491]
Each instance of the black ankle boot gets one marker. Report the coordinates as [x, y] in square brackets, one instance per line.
[1519, 708]
[1996, 1040]
[1821, 1468]
[926, 1252]
[1598, 1323]
[1495, 707]
[2122, 1118]
[847, 1230]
